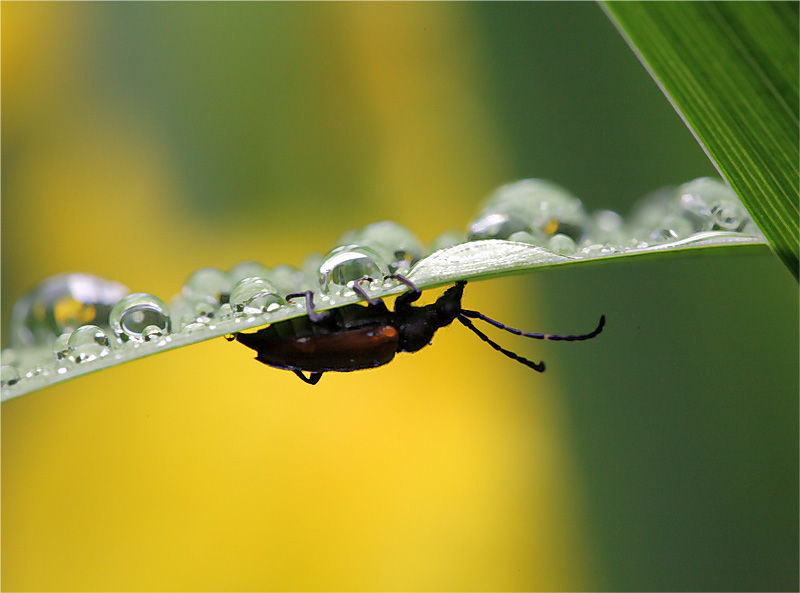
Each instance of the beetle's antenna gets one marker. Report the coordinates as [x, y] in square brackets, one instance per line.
[516, 332]
[536, 366]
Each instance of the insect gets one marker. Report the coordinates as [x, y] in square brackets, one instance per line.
[355, 337]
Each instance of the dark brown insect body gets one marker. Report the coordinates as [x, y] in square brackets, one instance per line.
[355, 337]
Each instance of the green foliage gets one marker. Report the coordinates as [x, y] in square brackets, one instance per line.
[731, 70]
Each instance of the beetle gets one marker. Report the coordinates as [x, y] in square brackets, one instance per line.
[355, 337]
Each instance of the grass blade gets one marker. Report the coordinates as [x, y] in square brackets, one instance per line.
[731, 71]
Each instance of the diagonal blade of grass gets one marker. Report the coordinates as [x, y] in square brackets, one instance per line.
[731, 71]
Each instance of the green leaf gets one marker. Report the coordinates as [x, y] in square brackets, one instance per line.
[731, 71]
[474, 260]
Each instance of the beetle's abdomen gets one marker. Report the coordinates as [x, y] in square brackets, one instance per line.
[347, 350]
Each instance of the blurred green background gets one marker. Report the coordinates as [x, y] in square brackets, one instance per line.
[144, 141]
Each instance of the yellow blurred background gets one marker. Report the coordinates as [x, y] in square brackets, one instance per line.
[144, 141]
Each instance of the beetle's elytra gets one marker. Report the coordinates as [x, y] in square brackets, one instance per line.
[355, 337]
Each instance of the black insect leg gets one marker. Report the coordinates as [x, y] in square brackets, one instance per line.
[406, 298]
[536, 366]
[517, 332]
[373, 302]
[312, 379]
[309, 295]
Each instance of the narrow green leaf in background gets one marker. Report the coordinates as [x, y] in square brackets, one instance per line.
[731, 71]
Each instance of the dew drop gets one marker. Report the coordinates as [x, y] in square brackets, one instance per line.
[61, 346]
[396, 245]
[671, 229]
[526, 237]
[62, 303]
[497, 225]
[563, 244]
[532, 205]
[205, 283]
[252, 296]
[606, 226]
[448, 239]
[152, 332]
[344, 265]
[193, 327]
[9, 375]
[87, 343]
[137, 312]
[284, 279]
[248, 269]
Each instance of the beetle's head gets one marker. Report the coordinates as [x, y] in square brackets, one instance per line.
[448, 306]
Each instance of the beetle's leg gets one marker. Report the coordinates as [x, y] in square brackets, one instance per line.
[312, 379]
[536, 366]
[406, 298]
[312, 315]
[363, 293]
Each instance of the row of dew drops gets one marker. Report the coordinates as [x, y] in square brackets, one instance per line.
[74, 319]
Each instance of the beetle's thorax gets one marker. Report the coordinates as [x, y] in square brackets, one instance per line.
[417, 325]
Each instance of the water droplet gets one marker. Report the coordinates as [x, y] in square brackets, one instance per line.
[751, 229]
[606, 226]
[563, 244]
[225, 311]
[532, 205]
[152, 332]
[252, 296]
[205, 283]
[704, 204]
[60, 304]
[526, 237]
[671, 229]
[87, 343]
[194, 327]
[344, 265]
[497, 225]
[310, 269]
[203, 310]
[135, 313]
[711, 205]
[448, 239]
[248, 269]
[396, 245]
[9, 375]
[61, 346]
[285, 279]
[730, 216]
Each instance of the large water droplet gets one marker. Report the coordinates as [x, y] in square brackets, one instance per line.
[285, 279]
[606, 226]
[248, 269]
[344, 265]
[497, 225]
[532, 205]
[205, 283]
[88, 343]
[62, 303]
[252, 296]
[398, 246]
[135, 313]
[711, 205]
[448, 239]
